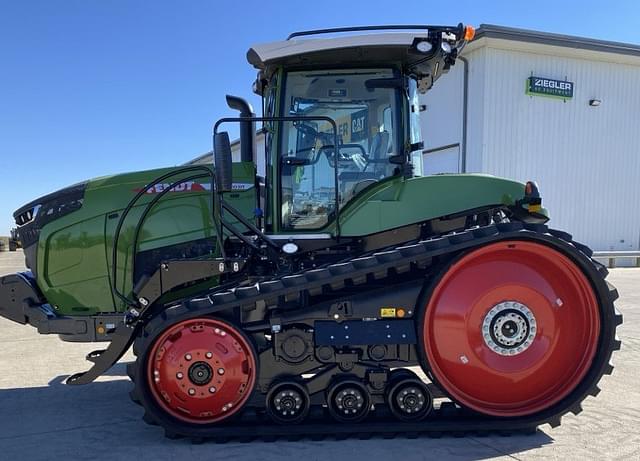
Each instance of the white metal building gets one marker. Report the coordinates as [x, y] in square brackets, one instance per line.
[582, 146]
[586, 158]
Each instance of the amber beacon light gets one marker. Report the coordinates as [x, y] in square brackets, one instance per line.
[469, 33]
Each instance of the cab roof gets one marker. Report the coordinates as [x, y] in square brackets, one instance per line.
[367, 49]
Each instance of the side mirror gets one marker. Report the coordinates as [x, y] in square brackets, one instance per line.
[222, 161]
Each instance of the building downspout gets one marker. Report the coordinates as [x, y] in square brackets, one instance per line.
[465, 102]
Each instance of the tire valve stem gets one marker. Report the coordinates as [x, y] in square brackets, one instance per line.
[559, 302]
[464, 359]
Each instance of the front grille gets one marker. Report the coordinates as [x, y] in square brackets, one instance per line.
[28, 235]
[51, 207]
[32, 217]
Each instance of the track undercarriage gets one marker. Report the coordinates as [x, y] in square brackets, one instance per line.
[329, 351]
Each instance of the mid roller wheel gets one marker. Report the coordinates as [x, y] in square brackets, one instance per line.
[511, 329]
[348, 401]
[200, 371]
[409, 399]
[288, 402]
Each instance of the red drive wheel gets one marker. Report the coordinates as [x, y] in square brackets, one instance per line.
[201, 371]
[511, 328]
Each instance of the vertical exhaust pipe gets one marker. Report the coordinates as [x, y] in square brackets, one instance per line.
[247, 129]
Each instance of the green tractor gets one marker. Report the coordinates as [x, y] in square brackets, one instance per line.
[312, 293]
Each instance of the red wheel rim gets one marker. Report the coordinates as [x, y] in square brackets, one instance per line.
[564, 337]
[201, 370]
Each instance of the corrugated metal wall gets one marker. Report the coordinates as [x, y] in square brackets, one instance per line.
[475, 111]
[443, 124]
[443, 119]
[586, 159]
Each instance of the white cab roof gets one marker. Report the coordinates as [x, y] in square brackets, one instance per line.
[381, 46]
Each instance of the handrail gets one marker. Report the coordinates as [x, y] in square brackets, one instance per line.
[613, 255]
[298, 118]
[149, 207]
[130, 205]
[338, 30]
[616, 254]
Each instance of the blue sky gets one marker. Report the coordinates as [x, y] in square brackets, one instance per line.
[90, 87]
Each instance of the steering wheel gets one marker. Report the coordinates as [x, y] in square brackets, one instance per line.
[307, 130]
[329, 151]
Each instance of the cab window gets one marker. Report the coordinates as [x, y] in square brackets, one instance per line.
[364, 115]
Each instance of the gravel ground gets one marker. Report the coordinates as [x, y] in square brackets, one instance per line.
[42, 418]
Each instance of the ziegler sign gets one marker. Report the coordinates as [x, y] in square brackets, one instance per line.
[538, 86]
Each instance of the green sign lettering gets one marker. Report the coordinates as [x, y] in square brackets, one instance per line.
[539, 86]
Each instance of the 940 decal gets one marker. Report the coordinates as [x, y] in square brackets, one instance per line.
[191, 186]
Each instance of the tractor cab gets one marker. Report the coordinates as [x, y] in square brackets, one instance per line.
[368, 140]
[340, 117]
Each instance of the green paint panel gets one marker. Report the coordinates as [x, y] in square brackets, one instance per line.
[74, 251]
[399, 202]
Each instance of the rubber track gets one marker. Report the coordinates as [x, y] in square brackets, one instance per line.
[447, 420]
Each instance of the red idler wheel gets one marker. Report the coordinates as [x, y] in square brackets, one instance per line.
[511, 328]
[201, 371]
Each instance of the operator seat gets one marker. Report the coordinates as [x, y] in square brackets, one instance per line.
[352, 182]
[379, 147]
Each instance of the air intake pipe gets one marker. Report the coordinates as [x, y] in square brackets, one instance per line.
[247, 129]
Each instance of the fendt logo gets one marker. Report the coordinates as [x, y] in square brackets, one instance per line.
[190, 186]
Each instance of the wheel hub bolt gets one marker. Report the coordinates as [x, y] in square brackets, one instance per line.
[200, 373]
[179, 375]
[212, 389]
[509, 328]
[187, 357]
[208, 355]
[192, 391]
[220, 371]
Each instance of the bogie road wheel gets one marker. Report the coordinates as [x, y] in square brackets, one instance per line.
[408, 397]
[348, 401]
[511, 329]
[200, 371]
[288, 402]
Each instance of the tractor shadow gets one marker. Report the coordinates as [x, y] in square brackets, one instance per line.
[99, 420]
